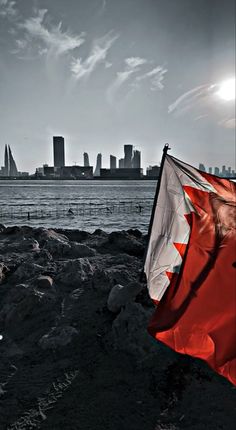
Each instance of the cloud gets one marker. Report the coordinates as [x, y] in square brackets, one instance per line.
[132, 65]
[134, 62]
[51, 40]
[228, 123]
[82, 69]
[108, 64]
[156, 75]
[185, 101]
[7, 8]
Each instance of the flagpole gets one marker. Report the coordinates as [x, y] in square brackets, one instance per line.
[165, 150]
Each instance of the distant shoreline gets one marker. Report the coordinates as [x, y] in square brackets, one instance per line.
[79, 179]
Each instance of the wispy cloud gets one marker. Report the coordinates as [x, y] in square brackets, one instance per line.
[50, 39]
[204, 102]
[8, 8]
[132, 65]
[83, 68]
[229, 123]
[186, 100]
[156, 76]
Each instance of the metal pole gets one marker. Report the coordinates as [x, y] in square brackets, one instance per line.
[165, 150]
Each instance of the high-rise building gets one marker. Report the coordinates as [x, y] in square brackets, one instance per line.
[121, 163]
[9, 168]
[128, 156]
[217, 171]
[210, 170]
[136, 160]
[59, 151]
[12, 164]
[98, 165]
[202, 167]
[6, 162]
[153, 172]
[86, 159]
[112, 162]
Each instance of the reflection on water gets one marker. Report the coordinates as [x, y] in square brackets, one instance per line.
[87, 205]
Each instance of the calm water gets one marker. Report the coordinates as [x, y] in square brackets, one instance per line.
[110, 205]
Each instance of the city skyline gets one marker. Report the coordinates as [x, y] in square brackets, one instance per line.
[130, 162]
[105, 73]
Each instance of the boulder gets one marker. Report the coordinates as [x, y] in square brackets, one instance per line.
[58, 337]
[79, 250]
[102, 281]
[124, 242]
[121, 295]
[75, 272]
[3, 271]
[2, 228]
[130, 331]
[44, 282]
[26, 271]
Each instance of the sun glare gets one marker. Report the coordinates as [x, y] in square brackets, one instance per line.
[227, 90]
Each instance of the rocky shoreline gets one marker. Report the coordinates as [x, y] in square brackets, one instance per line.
[75, 353]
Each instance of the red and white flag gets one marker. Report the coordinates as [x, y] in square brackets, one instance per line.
[191, 265]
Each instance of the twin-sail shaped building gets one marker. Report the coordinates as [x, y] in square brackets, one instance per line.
[9, 168]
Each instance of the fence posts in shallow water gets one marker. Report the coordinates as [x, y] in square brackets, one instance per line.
[88, 209]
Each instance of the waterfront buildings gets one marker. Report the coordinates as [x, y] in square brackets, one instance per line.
[128, 149]
[153, 172]
[224, 172]
[136, 160]
[58, 151]
[86, 159]
[112, 162]
[121, 163]
[9, 169]
[124, 173]
[98, 165]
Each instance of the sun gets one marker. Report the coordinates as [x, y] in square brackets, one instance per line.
[227, 90]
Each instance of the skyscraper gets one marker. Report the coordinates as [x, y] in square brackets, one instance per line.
[112, 162]
[86, 159]
[98, 165]
[202, 167]
[12, 164]
[58, 151]
[121, 163]
[9, 168]
[136, 160]
[128, 156]
[6, 162]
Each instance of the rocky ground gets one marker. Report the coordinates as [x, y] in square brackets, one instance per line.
[75, 353]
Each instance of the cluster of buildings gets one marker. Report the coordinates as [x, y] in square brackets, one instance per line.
[128, 167]
[9, 169]
[224, 172]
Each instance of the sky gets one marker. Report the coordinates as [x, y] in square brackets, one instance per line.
[104, 73]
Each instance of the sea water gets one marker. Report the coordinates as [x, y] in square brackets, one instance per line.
[87, 205]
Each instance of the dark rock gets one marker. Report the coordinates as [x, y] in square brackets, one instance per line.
[31, 313]
[58, 337]
[2, 228]
[124, 242]
[3, 272]
[121, 295]
[74, 235]
[102, 280]
[135, 232]
[44, 282]
[75, 272]
[130, 331]
[26, 271]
